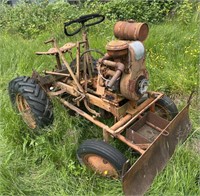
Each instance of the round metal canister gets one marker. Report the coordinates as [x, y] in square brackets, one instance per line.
[130, 30]
[117, 48]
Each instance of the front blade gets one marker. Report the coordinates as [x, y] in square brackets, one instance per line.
[140, 176]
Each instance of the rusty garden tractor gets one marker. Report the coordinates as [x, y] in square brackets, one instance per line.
[114, 86]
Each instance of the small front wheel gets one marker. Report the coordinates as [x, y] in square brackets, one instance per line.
[101, 158]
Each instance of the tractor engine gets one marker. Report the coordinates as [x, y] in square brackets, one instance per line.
[122, 70]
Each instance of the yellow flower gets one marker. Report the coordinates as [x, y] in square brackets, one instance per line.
[105, 172]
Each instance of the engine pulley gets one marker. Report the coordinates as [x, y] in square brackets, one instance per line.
[142, 86]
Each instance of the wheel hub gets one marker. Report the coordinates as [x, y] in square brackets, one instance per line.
[100, 165]
[25, 111]
[162, 112]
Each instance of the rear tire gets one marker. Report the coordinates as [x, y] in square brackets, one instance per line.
[166, 108]
[31, 101]
[101, 158]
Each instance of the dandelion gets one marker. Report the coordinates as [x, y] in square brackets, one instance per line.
[105, 172]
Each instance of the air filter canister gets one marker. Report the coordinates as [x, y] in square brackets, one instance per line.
[130, 30]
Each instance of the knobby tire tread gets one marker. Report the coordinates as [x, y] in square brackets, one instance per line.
[35, 96]
[167, 103]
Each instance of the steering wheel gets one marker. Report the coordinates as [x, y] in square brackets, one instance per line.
[82, 20]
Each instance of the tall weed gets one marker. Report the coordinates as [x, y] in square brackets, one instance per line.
[46, 164]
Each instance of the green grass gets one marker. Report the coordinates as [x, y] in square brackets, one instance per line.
[46, 164]
[173, 57]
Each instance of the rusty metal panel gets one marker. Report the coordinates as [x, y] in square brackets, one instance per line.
[147, 127]
[131, 30]
[140, 176]
[136, 138]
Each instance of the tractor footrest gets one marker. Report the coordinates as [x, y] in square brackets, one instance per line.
[53, 51]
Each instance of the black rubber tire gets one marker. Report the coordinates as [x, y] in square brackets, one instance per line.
[167, 107]
[103, 150]
[35, 97]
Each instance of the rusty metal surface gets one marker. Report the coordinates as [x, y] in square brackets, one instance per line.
[146, 128]
[140, 176]
[129, 82]
[129, 143]
[63, 49]
[25, 111]
[130, 30]
[138, 111]
[117, 45]
[135, 137]
[56, 73]
[117, 48]
[100, 165]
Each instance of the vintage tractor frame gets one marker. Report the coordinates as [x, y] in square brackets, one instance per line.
[113, 86]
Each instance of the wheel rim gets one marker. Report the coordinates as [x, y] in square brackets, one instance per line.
[100, 165]
[163, 112]
[25, 111]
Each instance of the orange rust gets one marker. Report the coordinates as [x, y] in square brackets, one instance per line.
[25, 111]
[129, 30]
[100, 165]
[117, 48]
[54, 51]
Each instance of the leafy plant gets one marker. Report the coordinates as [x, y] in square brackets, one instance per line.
[46, 164]
[30, 20]
[186, 9]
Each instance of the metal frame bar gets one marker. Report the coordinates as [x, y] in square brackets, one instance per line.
[119, 126]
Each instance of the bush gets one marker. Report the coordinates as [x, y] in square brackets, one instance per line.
[146, 10]
[30, 19]
[185, 11]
